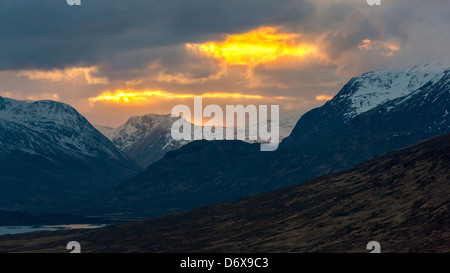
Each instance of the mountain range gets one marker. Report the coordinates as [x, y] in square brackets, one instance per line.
[52, 159]
[399, 110]
[399, 199]
[146, 139]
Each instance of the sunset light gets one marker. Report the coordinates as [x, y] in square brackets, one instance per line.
[133, 96]
[65, 75]
[386, 48]
[260, 46]
[323, 98]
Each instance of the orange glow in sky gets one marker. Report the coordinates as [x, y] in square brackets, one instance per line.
[136, 96]
[386, 48]
[260, 46]
[324, 98]
[67, 74]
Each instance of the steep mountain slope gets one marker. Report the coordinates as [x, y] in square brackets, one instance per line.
[324, 140]
[51, 156]
[400, 199]
[146, 139]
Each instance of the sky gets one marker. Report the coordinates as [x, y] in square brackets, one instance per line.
[112, 59]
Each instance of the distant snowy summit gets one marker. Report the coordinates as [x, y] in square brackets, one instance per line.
[145, 139]
[148, 138]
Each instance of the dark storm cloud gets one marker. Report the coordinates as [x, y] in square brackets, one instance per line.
[50, 34]
[130, 35]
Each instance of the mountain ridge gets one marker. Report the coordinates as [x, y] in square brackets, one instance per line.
[146, 139]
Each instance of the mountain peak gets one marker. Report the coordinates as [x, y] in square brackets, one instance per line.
[152, 120]
[15, 109]
[144, 139]
[431, 67]
[47, 128]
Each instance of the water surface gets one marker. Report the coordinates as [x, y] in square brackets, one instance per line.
[25, 229]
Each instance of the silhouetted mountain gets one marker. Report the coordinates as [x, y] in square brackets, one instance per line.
[400, 199]
[51, 157]
[336, 136]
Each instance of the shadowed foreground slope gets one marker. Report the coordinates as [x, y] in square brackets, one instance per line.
[400, 199]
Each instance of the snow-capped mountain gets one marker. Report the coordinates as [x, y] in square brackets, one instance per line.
[49, 153]
[146, 139]
[371, 89]
[375, 102]
[48, 128]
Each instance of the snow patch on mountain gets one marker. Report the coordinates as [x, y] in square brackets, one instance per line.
[375, 88]
[138, 128]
